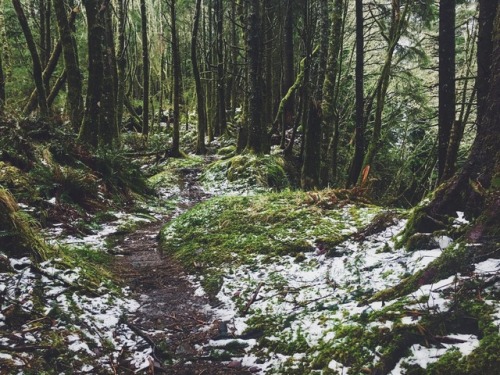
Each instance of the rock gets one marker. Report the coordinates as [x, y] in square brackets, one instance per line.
[234, 364]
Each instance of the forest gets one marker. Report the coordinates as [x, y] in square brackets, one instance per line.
[250, 187]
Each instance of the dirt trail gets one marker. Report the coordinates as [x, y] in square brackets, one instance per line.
[172, 318]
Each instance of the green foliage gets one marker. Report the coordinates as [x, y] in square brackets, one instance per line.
[228, 230]
[247, 171]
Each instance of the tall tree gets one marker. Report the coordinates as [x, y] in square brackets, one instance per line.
[2, 86]
[254, 42]
[359, 148]
[329, 103]
[99, 128]
[71, 64]
[176, 60]
[398, 23]
[200, 94]
[37, 67]
[121, 60]
[471, 190]
[446, 80]
[221, 84]
[288, 72]
[484, 53]
[145, 69]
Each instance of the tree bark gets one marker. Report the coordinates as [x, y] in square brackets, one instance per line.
[121, 61]
[484, 53]
[73, 74]
[254, 41]
[310, 168]
[288, 72]
[471, 190]
[175, 152]
[200, 95]
[37, 68]
[221, 85]
[446, 80]
[329, 103]
[145, 69]
[50, 68]
[359, 150]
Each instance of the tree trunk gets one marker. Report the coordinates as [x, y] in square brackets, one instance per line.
[73, 74]
[398, 23]
[145, 70]
[487, 9]
[121, 61]
[472, 190]
[175, 152]
[288, 72]
[329, 103]
[108, 129]
[254, 40]
[200, 95]
[359, 148]
[221, 99]
[310, 167]
[37, 68]
[446, 80]
[50, 68]
[2, 86]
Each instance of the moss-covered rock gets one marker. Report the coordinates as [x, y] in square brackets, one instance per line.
[247, 172]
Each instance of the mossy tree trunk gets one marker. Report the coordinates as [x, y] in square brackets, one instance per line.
[2, 86]
[329, 108]
[50, 67]
[310, 168]
[255, 60]
[145, 69]
[359, 141]
[221, 81]
[72, 67]
[288, 72]
[398, 23]
[121, 62]
[200, 94]
[475, 189]
[37, 67]
[99, 128]
[175, 152]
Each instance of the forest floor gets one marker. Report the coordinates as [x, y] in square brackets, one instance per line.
[218, 275]
[173, 317]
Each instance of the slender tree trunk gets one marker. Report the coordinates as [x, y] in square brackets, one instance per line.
[329, 104]
[37, 68]
[254, 41]
[359, 148]
[145, 69]
[446, 80]
[200, 95]
[2, 86]
[288, 72]
[121, 61]
[175, 152]
[108, 129]
[50, 68]
[221, 99]
[73, 74]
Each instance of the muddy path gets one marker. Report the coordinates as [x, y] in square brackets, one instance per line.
[173, 319]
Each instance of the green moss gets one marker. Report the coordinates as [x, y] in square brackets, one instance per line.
[229, 230]
[248, 171]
